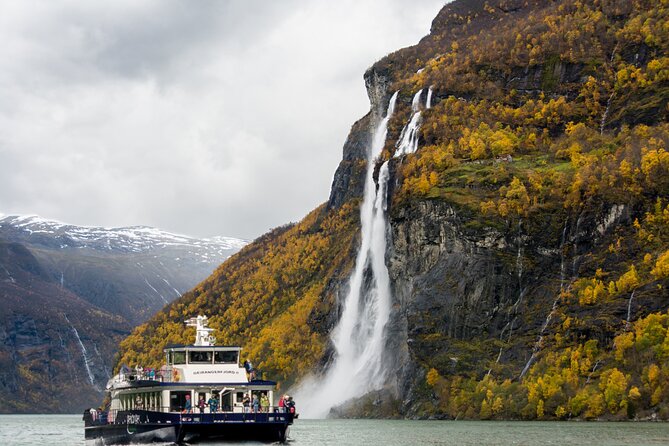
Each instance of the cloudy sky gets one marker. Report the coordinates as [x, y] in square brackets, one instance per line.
[199, 117]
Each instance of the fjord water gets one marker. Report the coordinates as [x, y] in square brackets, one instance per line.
[67, 430]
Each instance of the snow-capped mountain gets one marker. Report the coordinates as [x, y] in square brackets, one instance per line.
[125, 239]
[130, 271]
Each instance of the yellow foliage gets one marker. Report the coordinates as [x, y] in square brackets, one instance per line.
[661, 269]
[433, 377]
[634, 393]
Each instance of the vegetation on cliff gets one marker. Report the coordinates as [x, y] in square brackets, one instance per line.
[269, 298]
[564, 110]
[542, 112]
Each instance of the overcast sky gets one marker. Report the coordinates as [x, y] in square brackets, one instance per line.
[199, 117]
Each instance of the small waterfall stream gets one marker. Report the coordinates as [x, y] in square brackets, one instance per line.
[359, 338]
[628, 321]
[537, 345]
[9, 276]
[84, 353]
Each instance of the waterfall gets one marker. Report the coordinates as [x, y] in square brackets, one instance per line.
[629, 311]
[97, 353]
[358, 365]
[156, 291]
[602, 124]
[537, 345]
[563, 274]
[428, 102]
[9, 275]
[91, 378]
[174, 289]
[408, 142]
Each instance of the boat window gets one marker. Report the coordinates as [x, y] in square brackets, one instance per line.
[229, 357]
[179, 357]
[198, 357]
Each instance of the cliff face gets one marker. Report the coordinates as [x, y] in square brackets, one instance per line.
[56, 349]
[527, 244]
[486, 298]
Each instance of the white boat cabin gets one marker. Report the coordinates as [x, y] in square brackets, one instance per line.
[201, 370]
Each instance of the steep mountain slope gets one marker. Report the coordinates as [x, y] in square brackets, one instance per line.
[130, 271]
[528, 249]
[55, 348]
[69, 294]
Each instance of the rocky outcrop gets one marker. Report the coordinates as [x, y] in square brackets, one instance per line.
[465, 295]
[348, 182]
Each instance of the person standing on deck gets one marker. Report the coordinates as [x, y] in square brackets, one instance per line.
[256, 403]
[264, 403]
[250, 371]
[188, 407]
[213, 403]
[246, 402]
[201, 404]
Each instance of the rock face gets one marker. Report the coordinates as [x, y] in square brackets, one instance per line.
[348, 182]
[56, 349]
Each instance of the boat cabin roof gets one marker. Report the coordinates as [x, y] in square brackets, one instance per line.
[220, 348]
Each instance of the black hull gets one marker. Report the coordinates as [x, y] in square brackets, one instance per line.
[141, 427]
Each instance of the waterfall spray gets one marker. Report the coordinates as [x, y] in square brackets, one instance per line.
[359, 338]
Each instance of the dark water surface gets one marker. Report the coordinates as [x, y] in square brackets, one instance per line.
[22, 430]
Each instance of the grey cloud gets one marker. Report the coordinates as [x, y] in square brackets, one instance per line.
[207, 117]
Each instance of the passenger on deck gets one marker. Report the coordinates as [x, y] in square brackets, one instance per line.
[250, 371]
[256, 403]
[246, 402]
[264, 403]
[290, 405]
[282, 403]
[201, 404]
[102, 415]
[188, 407]
[213, 403]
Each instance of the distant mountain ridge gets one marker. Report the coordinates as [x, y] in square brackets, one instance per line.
[39, 230]
[70, 293]
[131, 271]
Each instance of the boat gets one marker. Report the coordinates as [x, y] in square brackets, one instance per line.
[165, 405]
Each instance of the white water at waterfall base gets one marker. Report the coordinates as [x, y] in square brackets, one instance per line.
[359, 337]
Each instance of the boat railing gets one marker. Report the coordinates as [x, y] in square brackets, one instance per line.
[162, 375]
[98, 418]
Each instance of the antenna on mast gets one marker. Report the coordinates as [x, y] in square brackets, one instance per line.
[203, 335]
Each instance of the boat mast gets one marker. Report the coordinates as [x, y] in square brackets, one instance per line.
[203, 335]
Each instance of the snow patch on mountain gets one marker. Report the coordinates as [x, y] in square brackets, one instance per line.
[124, 239]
